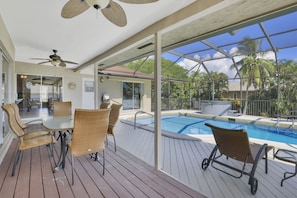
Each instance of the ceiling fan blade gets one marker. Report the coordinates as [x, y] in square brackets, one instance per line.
[70, 62]
[115, 14]
[39, 59]
[138, 1]
[44, 62]
[73, 8]
[62, 64]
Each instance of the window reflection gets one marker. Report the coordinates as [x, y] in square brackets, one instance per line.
[132, 93]
[35, 94]
[4, 126]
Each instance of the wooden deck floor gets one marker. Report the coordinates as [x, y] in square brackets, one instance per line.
[130, 172]
[182, 160]
[125, 176]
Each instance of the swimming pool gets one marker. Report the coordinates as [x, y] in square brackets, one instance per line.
[195, 125]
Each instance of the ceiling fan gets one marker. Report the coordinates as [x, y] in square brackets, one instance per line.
[55, 60]
[43, 80]
[110, 9]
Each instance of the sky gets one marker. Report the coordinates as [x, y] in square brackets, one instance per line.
[282, 32]
[219, 65]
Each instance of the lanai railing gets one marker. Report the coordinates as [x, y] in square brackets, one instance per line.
[255, 107]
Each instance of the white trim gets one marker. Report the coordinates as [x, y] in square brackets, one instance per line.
[157, 111]
[5, 146]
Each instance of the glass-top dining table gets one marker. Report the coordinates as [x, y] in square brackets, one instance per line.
[62, 125]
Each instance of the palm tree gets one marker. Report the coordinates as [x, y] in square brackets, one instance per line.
[288, 84]
[221, 83]
[253, 70]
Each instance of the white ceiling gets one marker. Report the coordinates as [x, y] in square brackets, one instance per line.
[36, 27]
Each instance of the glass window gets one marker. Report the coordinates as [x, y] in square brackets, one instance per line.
[35, 94]
[5, 66]
[132, 94]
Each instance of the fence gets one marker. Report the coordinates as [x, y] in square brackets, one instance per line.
[255, 107]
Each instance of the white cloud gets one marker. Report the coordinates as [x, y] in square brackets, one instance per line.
[220, 64]
[233, 50]
[197, 57]
[268, 55]
[218, 55]
[206, 57]
[187, 63]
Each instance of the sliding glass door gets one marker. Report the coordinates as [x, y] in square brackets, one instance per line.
[35, 94]
[4, 65]
[132, 95]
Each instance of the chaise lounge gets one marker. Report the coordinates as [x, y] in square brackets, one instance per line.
[235, 144]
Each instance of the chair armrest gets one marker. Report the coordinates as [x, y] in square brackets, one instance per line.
[31, 121]
[35, 134]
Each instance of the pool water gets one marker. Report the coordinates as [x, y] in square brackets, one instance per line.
[194, 125]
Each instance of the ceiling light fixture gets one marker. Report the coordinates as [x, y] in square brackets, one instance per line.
[55, 62]
[98, 4]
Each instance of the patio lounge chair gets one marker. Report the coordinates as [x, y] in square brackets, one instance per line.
[235, 144]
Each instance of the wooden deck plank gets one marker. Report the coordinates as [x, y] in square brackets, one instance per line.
[95, 171]
[126, 176]
[48, 179]
[214, 183]
[186, 149]
[63, 181]
[162, 180]
[78, 189]
[6, 164]
[196, 157]
[152, 183]
[9, 182]
[35, 182]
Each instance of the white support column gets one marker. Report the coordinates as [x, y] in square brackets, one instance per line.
[157, 80]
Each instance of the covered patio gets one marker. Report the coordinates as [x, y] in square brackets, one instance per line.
[133, 171]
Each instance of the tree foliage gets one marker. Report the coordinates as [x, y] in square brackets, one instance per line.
[173, 76]
[169, 69]
[254, 70]
[204, 84]
[287, 90]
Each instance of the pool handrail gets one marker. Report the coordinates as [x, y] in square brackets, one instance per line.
[143, 112]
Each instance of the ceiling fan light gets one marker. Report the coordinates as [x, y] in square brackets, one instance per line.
[55, 62]
[98, 4]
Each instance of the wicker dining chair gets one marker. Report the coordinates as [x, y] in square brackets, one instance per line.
[19, 120]
[113, 118]
[104, 105]
[62, 108]
[26, 140]
[89, 132]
